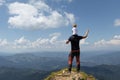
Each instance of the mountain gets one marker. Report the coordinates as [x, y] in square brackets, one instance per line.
[103, 72]
[31, 60]
[21, 74]
[22, 65]
[111, 58]
[64, 75]
[56, 60]
[4, 62]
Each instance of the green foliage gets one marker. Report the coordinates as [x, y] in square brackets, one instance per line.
[54, 73]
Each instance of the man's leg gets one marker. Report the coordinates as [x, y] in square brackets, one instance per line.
[78, 63]
[70, 59]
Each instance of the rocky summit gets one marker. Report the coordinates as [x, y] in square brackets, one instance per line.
[65, 75]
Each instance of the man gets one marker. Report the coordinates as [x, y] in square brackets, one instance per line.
[75, 50]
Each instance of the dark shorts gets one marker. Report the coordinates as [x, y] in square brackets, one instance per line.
[72, 54]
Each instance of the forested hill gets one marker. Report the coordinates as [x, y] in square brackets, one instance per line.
[22, 74]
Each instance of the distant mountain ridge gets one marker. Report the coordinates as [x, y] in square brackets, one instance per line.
[21, 74]
[111, 58]
[101, 72]
[104, 72]
[96, 64]
[31, 61]
[56, 59]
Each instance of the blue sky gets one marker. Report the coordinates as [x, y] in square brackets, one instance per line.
[45, 25]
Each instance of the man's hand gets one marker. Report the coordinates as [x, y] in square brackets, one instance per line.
[67, 42]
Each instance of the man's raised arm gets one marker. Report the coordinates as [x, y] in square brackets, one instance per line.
[86, 34]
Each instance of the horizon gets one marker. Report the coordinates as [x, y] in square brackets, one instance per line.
[57, 52]
[43, 25]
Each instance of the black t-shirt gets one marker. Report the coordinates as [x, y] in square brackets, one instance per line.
[74, 39]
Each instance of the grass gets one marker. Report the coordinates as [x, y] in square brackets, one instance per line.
[54, 73]
[84, 75]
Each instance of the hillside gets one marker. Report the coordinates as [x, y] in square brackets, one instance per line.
[21, 74]
[110, 58]
[55, 59]
[103, 66]
[64, 75]
[101, 72]
[104, 72]
[35, 61]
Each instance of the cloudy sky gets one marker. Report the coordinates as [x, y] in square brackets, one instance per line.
[45, 25]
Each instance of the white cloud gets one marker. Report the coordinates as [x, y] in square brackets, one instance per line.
[117, 37]
[40, 5]
[54, 37]
[117, 22]
[101, 42]
[40, 43]
[2, 2]
[46, 44]
[83, 41]
[52, 43]
[63, 0]
[70, 0]
[70, 18]
[37, 15]
[55, 34]
[115, 41]
[21, 41]
[3, 42]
